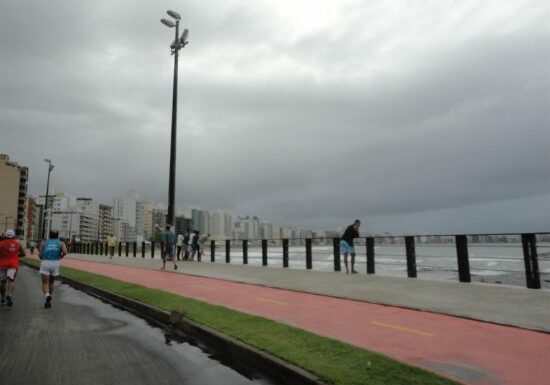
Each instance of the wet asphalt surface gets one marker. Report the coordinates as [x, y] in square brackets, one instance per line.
[82, 340]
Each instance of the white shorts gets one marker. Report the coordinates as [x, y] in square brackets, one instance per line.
[50, 268]
[8, 273]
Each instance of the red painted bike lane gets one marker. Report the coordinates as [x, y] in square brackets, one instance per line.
[469, 351]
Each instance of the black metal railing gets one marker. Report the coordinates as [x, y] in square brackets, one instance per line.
[405, 254]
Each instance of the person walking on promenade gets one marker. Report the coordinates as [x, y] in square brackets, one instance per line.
[169, 238]
[185, 246]
[201, 243]
[192, 236]
[111, 244]
[51, 252]
[10, 251]
[346, 244]
[179, 244]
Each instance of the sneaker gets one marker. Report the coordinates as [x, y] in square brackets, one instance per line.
[2, 301]
[354, 272]
[9, 302]
[48, 303]
[175, 267]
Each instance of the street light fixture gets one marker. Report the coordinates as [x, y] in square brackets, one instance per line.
[177, 44]
[50, 169]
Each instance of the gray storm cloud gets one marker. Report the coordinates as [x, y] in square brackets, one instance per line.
[432, 117]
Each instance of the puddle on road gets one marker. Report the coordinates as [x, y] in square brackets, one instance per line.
[194, 364]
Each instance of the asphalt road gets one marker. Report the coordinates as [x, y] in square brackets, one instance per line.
[82, 340]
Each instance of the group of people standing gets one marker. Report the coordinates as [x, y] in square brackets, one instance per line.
[180, 247]
[50, 251]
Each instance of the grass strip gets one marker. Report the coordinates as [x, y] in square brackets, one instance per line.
[333, 361]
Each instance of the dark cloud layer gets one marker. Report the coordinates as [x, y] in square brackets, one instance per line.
[424, 117]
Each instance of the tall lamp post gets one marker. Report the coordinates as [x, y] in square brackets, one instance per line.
[177, 44]
[50, 169]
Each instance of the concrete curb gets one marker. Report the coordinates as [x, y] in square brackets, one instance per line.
[235, 353]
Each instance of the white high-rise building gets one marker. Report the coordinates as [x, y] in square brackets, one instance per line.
[217, 225]
[144, 220]
[125, 209]
[220, 225]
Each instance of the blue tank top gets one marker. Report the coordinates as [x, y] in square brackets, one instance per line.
[51, 250]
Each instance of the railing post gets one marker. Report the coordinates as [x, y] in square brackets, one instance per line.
[411, 257]
[106, 248]
[532, 275]
[119, 249]
[127, 248]
[336, 253]
[245, 251]
[264, 252]
[162, 256]
[96, 247]
[309, 256]
[285, 252]
[100, 248]
[212, 251]
[370, 255]
[152, 249]
[134, 251]
[462, 258]
[227, 251]
[143, 249]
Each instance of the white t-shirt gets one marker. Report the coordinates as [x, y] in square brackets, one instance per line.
[179, 242]
[191, 237]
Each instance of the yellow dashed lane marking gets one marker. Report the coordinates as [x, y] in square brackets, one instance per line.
[205, 287]
[272, 301]
[402, 329]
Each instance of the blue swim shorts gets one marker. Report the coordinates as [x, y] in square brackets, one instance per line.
[345, 248]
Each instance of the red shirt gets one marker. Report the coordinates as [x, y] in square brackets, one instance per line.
[9, 254]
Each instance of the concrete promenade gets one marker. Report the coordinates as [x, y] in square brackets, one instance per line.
[507, 305]
[469, 351]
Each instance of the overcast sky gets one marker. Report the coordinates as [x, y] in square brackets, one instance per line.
[416, 116]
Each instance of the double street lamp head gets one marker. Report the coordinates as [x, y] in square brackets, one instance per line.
[179, 42]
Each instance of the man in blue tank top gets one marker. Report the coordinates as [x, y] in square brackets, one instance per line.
[50, 251]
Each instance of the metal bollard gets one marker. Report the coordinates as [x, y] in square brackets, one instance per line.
[127, 248]
[309, 254]
[411, 257]
[152, 249]
[532, 274]
[245, 251]
[461, 242]
[120, 249]
[336, 252]
[370, 255]
[264, 252]
[143, 249]
[227, 251]
[134, 249]
[212, 251]
[285, 252]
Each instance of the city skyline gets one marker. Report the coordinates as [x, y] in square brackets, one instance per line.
[432, 119]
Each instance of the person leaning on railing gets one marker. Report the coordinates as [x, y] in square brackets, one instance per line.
[346, 244]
